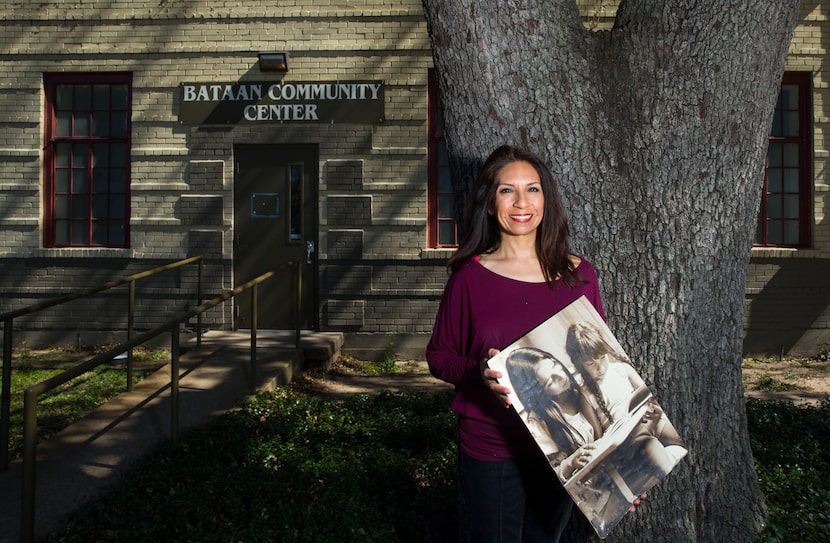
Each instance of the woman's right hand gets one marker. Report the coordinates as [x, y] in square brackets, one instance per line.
[490, 378]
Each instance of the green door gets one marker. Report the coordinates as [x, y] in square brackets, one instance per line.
[275, 221]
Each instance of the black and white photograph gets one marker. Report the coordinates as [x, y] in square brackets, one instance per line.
[590, 412]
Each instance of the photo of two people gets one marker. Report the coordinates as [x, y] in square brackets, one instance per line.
[590, 413]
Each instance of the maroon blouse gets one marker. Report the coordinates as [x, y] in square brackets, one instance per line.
[481, 310]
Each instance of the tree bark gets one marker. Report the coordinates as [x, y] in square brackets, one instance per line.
[657, 133]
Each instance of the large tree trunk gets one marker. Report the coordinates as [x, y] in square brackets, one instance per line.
[656, 131]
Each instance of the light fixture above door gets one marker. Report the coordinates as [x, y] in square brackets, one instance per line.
[274, 61]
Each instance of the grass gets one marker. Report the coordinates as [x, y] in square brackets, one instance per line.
[288, 466]
[768, 383]
[383, 367]
[73, 400]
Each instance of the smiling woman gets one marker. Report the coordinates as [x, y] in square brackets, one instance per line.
[520, 202]
[512, 271]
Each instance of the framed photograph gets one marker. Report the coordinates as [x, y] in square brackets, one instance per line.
[590, 413]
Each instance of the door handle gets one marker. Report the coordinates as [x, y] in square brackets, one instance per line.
[309, 250]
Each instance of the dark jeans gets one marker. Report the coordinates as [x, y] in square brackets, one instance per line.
[519, 501]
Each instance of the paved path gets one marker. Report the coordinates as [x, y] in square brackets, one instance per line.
[80, 462]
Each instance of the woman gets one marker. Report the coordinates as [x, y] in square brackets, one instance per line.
[553, 402]
[512, 271]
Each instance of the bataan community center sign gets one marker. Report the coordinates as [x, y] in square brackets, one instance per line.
[281, 102]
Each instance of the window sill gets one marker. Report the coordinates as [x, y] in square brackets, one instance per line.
[784, 252]
[442, 253]
[81, 252]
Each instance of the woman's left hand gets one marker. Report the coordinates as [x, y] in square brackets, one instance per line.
[637, 502]
[654, 411]
[490, 378]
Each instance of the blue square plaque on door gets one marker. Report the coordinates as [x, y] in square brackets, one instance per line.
[265, 205]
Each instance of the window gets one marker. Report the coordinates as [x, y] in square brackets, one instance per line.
[295, 213]
[785, 213]
[87, 160]
[442, 224]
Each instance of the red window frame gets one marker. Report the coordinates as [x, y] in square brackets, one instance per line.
[87, 159]
[785, 214]
[442, 223]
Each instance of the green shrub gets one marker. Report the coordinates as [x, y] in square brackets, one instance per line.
[792, 458]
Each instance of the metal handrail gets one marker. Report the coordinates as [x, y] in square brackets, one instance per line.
[105, 286]
[8, 319]
[31, 394]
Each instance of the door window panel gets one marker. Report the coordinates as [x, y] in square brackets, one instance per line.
[295, 214]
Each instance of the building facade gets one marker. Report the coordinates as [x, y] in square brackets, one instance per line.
[139, 133]
[787, 303]
[258, 134]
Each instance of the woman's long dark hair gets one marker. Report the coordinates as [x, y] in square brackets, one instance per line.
[585, 342]
[521, 368]
[482, 234]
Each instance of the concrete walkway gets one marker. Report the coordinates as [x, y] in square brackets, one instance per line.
[80, 462]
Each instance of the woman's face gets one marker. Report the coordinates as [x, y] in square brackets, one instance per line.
[519, 204]
[552, 377]
[596, 367]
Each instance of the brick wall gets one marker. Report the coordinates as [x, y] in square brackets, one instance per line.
[375, 272]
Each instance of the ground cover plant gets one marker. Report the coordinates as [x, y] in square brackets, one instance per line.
[294, 466]
[792, 457]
